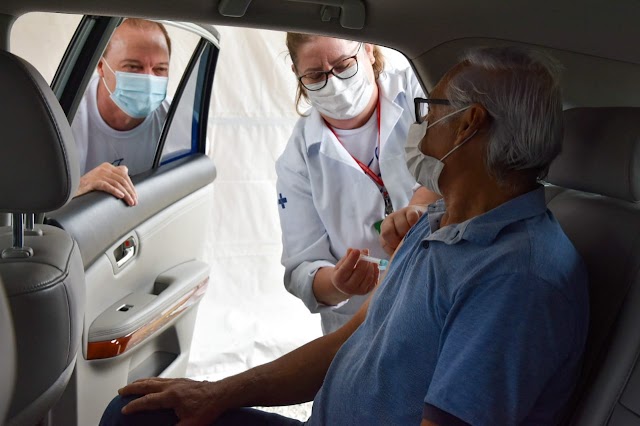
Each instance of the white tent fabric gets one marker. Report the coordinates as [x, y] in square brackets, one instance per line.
[246, 317]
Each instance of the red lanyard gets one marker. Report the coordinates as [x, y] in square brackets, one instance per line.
[377, 179]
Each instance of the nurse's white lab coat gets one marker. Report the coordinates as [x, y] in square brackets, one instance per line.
[328, 204]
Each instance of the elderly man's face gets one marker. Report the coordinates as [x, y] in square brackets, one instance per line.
[438, 139]
[136, 50]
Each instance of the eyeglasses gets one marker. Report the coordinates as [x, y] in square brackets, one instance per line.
[345, 69]
[422, 107]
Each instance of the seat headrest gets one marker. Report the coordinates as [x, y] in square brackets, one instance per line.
[39, 171]
[600, 153]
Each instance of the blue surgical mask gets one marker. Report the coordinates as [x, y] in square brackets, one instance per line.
[137, 95]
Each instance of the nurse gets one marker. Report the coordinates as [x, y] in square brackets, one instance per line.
[343, 171]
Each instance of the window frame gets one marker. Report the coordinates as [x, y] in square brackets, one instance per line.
[206, 72]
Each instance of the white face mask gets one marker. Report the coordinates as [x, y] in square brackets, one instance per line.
[343, 99]
[426, 169]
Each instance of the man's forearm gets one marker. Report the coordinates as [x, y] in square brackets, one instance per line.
[293, 378]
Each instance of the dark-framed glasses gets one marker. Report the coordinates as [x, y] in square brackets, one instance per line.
[422, 107]
[346, 68]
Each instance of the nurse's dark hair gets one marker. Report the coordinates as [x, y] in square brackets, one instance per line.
[295, 40]
[143, 24]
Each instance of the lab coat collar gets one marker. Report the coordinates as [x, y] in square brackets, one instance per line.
[390, 111]
[319, 138]
[317, 132]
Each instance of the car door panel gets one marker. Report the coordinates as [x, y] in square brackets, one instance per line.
[91, 219]
[162, 285]
[134, 318]
[143, 265]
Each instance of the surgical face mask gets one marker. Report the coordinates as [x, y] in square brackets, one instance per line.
[343, 99]
[137, 95]
[424, 168]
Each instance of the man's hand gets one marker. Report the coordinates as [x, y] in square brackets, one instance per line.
[354, 276]
[397, 224]
[194, 402]
[110, 179]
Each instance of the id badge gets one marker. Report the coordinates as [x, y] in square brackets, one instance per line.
[388, 207]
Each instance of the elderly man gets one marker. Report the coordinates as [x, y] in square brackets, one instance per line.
[482, 316]
[120, 117]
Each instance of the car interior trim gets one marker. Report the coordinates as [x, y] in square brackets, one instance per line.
[592, 163]
[119, 345]
[157, 189]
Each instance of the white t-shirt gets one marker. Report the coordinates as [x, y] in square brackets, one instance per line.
[362, 143]
[98, 143]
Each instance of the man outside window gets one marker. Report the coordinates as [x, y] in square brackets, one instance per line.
[120, 118]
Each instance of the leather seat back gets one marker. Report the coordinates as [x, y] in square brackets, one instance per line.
[45, 284]
[596, 189]
[7, 356]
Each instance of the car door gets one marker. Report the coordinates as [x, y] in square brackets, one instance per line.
[143, 267]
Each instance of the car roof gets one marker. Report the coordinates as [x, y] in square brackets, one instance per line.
[596, 41]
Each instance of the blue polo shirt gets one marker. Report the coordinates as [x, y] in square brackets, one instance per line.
[485, 320]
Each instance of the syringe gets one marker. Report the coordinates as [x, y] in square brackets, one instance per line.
[382, 263]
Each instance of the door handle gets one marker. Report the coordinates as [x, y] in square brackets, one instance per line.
[125, 252]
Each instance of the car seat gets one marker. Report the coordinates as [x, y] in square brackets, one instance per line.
[7, 356]
[594, 194]
[40, 267]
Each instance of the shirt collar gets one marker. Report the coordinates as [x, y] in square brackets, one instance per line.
[485, 228]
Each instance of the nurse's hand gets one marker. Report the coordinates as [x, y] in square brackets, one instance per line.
[335, 284]
[397, 224]
[354, 276]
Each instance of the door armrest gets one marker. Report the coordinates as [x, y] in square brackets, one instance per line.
[137, 316]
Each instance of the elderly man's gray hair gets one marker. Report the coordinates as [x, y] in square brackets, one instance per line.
[521, 92]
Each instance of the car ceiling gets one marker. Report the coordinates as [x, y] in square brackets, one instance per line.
[597, 41]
